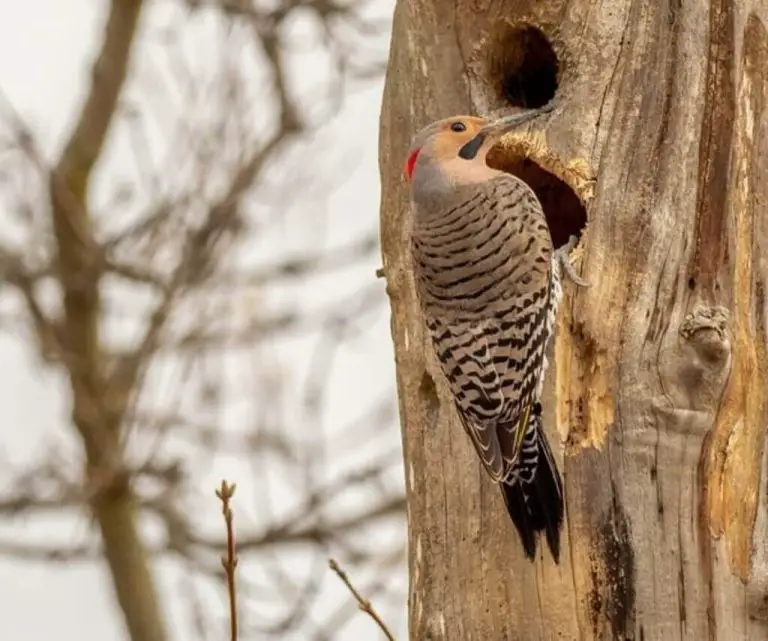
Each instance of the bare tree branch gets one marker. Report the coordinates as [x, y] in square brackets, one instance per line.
[229, 561]
[313, 264]
[140, 299]
[364, 604]
[79, 275]
[285, 535]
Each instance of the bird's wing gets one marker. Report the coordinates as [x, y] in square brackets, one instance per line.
[525, 314]
[519, 356]
[493, 367]
[465, 353]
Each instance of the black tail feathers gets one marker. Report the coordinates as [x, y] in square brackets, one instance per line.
[533, 494]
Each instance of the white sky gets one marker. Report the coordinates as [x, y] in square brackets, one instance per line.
[45, 51]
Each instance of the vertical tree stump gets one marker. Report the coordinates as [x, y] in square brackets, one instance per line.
[660, 378]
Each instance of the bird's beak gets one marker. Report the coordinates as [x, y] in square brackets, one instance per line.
[501, 126]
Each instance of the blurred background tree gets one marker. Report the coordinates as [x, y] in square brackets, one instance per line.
[184, 297]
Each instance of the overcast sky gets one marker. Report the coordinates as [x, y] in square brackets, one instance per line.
[45, 52]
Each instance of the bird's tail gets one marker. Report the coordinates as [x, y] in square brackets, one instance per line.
[533, 492]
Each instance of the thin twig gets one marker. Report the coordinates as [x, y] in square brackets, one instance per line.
[229, 562]
[365, 605]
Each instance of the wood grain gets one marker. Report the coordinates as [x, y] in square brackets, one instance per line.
[660, 383]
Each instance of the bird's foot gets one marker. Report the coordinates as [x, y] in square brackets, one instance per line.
[562, 255]
[573, 240]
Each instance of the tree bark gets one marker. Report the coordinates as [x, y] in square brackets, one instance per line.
[656, 399]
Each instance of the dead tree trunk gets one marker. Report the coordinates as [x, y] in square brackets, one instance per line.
[660, 381]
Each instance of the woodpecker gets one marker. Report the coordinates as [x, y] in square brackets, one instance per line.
[488, 281]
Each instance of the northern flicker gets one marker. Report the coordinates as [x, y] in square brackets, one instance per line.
[489, 282]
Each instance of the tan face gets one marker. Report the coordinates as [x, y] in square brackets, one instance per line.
[443, 139]
[440, 144]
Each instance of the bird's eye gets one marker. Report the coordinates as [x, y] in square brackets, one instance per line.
[458, 126]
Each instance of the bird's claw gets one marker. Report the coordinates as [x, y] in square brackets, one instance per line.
[565, 261]
[573, 240]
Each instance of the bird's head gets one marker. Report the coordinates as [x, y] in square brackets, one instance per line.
[441, 141]
[453, 151]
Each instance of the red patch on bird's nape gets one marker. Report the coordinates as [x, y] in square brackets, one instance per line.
[410, 164]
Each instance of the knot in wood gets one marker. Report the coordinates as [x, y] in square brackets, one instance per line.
[706, 329]
[694, 361]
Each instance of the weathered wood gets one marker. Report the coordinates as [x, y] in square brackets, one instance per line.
[660, 383]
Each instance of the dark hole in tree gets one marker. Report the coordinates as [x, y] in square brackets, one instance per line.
[566, 215]
[529, 68]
